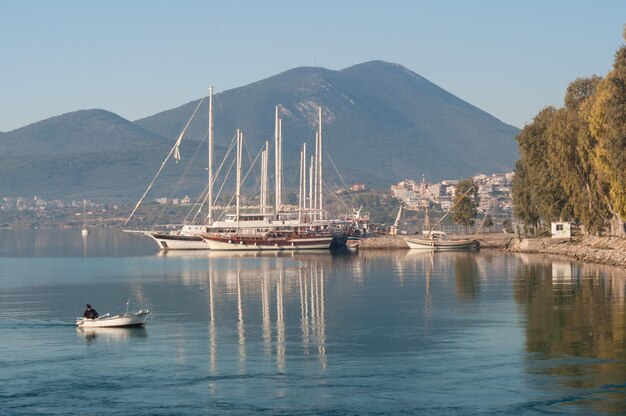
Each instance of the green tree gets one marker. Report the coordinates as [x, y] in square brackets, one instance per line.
[465, 203]
[537, 195]
[488, 222]
[570, 145]
[607, 120]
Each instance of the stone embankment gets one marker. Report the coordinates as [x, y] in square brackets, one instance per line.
[383, 242]
[590, 249]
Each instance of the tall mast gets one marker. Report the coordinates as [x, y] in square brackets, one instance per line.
[321, 157]
[238, 189]
[311, 207]
[264, 176]
[210, 189]
[276, 156]
[280, 163]
[315, 172]
[302, 190]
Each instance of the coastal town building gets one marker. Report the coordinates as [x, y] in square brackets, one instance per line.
[494, 192]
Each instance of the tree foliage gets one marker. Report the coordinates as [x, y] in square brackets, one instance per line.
[465, 203]
[572, 162]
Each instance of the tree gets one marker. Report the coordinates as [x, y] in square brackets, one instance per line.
[607, 121]
[465, 203]
[537, 195]
[488, 222]
[507, 226]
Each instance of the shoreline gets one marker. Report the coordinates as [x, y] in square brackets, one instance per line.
[609, 251]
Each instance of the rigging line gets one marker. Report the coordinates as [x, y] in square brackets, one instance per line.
[252, 166]
[180, 181]
[340, 177]
[335, 196]
[172, 151]
[232, 163]
[345, 186]
[217, 173]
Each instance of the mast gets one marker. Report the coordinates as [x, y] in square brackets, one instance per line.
[238, 189]
[315, 172]
[280, 163]
[321, 157]
[311, 187]
[276, 167]
[302, 190]
[264, 176]
[210, 167]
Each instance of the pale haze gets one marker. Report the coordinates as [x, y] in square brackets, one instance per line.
[137, 58]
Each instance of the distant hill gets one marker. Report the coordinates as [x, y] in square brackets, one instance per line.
[88, 153]
[382, 123]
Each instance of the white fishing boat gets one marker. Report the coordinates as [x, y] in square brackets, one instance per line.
[126, 320]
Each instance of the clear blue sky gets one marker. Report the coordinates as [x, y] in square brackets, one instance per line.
[136, 58]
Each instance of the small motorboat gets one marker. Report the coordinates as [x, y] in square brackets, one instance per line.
[126, 320]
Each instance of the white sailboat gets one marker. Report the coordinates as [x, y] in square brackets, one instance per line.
[280, 230]
[187, 236]
[84, 231]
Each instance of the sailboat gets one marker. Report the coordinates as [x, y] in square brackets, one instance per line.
[278, 230]
[259, 230]
[187, 236]
[439, 240]
[84, 231]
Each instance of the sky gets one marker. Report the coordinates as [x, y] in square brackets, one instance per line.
[511, 58]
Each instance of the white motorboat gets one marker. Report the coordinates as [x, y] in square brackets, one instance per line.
[126, 320]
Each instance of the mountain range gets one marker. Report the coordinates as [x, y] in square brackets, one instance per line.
[381, 123]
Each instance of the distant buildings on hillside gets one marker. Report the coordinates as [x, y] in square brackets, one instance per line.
[494, 192]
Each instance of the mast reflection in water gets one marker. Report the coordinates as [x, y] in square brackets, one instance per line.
[306, 333]
[272, 275]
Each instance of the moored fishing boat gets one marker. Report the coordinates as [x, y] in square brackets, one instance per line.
[439, 241]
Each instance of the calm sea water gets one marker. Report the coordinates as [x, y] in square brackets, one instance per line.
[313, 333]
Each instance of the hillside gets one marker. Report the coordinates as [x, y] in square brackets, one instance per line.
[382, 123]
[83, 154]
[375, 114]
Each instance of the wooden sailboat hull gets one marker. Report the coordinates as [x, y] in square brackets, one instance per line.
[440, 245]
[239, 243]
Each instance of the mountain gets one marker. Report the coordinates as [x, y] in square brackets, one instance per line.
[381, 123]
[88, 153]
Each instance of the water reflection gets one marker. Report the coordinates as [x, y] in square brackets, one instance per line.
[69, 242]
[269, 290]
[111, 335]
[467, 276]
[575, 322]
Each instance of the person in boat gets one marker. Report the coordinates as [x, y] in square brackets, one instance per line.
[90, 312]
